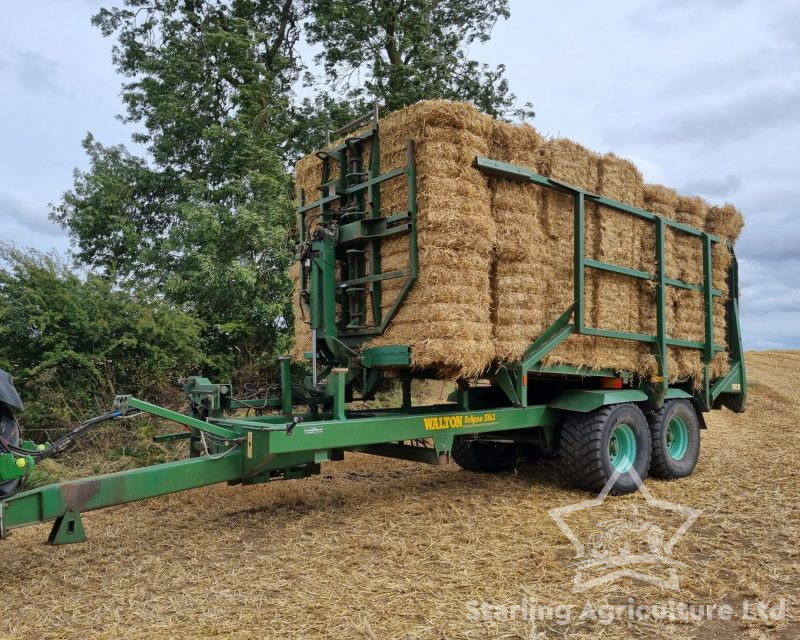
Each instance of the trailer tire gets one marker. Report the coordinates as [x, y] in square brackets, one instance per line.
[595, 445]
[675, 437]
[487, 456]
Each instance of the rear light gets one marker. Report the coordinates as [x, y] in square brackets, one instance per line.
[611, 383]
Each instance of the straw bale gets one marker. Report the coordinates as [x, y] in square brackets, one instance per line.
[456, 232]
[726, 221]
[568, 161]
[519, 291]
[616, 297]
[496, 256]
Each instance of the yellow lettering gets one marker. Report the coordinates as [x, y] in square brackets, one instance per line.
[443, 422]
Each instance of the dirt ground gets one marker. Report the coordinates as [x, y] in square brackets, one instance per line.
[375, 548]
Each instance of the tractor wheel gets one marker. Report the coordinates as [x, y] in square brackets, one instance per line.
[595, 445]
[675, 436]
[489, 456]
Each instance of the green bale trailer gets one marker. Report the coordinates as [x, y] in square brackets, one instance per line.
[607, 426]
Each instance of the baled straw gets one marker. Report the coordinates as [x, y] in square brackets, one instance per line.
[495, 255]
[446, 317]
[519, 288]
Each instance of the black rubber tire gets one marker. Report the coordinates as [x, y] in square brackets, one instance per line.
[585, 453]
[662, 464]
[472, 454]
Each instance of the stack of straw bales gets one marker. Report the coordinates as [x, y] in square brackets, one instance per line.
[496, 256]
[446, 317]
[518, 315]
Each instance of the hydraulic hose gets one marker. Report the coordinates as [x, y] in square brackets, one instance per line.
[64, 441]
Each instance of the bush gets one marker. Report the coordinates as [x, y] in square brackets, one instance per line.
[73, 342]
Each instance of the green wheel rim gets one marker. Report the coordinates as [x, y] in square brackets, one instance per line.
[677, 437]
[622, 448]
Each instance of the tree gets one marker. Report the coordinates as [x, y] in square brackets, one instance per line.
[402, 51]
[205, 218]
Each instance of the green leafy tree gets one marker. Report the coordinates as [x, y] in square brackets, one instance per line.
[402, 51]
[205, 217]
[200, 211]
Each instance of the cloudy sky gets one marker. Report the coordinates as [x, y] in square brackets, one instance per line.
[703, 95]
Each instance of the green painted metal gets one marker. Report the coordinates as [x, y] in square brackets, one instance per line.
[657, 387]
[349, 232]
[68, 528]
[708, 351]
[180, 418]
[677, 437]
[13, 466]
[427, 455]
[550, 338]
[388, 356]
[674, 393]
[399, 427]
[286, 384]
[171, 437]
[622, 448]
[55, 500]
[658, 390]
[336, 390]
[579, 261]
[586, 400]
[613, 268]
[507, 382]
[579, 372]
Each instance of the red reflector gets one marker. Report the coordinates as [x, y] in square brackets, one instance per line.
[524, 379]
[611, 383]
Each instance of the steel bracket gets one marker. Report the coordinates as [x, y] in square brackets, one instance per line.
[67, 528]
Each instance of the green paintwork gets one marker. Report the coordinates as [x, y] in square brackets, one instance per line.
[13, 467]
[68, 528]
[180, 418]
[622, 448]
[586, 400]
[677, 437]
[334, 272]
[389, 356]
[673, 393]
[286, 384]
[506, 380]
[53, 501]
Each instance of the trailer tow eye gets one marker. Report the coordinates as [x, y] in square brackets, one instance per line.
[291, 425]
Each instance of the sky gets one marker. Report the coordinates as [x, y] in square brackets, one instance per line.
[703, 95]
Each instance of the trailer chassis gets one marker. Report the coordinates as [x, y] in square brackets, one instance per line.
[341, 286]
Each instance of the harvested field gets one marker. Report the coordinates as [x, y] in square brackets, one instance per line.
[374, 548]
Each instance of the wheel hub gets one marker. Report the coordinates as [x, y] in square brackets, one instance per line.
[677, 437]
[622, 448]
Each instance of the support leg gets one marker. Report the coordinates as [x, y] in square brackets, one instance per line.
[67, 529]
